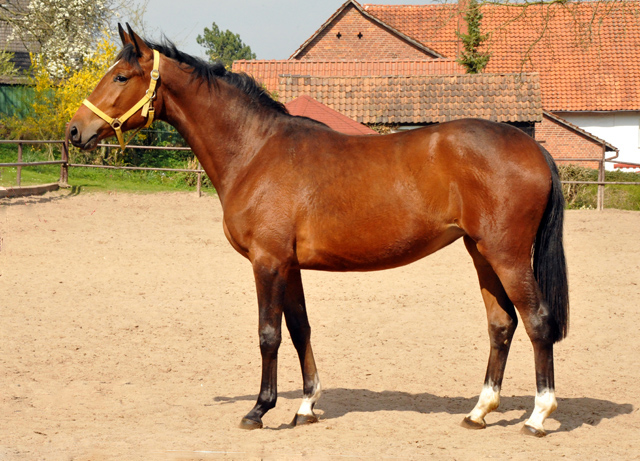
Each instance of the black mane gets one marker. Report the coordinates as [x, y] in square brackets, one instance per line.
[208, 72]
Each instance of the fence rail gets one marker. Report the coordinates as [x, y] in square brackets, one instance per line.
[65, 165]
[51, 162]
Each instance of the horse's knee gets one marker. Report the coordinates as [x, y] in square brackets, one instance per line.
[270, 339]
[267, 399]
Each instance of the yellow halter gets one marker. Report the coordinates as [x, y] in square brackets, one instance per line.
[146, 103]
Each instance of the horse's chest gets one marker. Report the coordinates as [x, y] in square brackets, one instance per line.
[234, 240]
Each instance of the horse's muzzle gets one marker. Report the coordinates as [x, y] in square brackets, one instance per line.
[88, 141]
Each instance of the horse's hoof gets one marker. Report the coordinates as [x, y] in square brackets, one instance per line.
[301, 420]
[250, 424]
[532, 431]
[471, 424]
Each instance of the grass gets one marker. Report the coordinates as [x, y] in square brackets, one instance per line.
[91, 179]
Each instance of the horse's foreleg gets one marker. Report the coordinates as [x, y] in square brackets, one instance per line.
[295, 314]
[502, 321]
[271, 286]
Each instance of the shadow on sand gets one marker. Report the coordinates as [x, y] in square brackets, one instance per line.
[572, 412]
[41, 198]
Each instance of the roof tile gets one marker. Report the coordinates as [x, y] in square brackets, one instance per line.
[268, 72]
[379, 99]
[588, 57]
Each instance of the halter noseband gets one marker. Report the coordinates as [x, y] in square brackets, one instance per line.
[146, 103]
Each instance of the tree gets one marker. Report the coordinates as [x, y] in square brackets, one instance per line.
[473, 59]
[62, 32]
[225, 47]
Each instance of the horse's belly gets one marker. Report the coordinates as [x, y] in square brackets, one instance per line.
[372, 250]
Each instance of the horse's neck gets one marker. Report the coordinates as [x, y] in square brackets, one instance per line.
[223, 131]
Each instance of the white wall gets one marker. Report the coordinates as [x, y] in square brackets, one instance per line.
[620, 129]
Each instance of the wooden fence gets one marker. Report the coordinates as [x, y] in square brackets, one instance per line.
[65, 165]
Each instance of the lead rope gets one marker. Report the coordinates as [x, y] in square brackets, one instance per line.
[146, 104]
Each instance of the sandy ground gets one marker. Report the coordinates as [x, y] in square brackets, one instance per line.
[128, 330]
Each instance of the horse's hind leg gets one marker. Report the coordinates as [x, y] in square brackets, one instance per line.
[519, 283]
[295, 314]
[502, 321]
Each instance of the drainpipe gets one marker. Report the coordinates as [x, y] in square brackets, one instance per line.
[611, 158]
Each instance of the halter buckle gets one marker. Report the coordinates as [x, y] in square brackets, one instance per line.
[155, 74]
[116, 124]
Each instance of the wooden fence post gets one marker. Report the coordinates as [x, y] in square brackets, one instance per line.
[601, 186]
[199, 180]
[64, 168]
[19, 168]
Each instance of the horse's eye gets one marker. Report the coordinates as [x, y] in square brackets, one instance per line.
[120, 78]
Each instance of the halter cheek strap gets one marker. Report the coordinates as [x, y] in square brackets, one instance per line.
[146, 104]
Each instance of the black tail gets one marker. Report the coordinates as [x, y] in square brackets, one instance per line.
[549, 264]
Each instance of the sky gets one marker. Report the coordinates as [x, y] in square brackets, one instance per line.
[274, 29]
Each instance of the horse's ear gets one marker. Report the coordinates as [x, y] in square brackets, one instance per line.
[141, 47]
[123, 35]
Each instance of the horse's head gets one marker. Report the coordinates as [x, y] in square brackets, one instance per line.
[123, 99]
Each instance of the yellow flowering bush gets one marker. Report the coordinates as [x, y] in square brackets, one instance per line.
[56, 100]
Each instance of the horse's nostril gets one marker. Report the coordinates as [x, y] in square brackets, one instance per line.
[73, 132]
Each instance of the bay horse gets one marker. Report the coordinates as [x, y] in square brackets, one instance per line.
[298, 195]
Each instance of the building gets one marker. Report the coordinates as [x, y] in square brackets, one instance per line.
[586, 53]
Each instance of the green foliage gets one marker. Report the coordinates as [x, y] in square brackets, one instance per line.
[621, 196]
[159, 134]
[7, 67]
[53, 101]
[579, 196]
[585, 196]
[473, 60]
[225, 47]
[41, 174]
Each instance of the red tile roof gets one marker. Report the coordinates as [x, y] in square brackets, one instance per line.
[306, 106]
[268, 72]
[587, 53]
[423, 99]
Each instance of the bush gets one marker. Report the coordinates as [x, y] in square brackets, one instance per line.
[585, 196]
[579, 196]
[54, 102]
